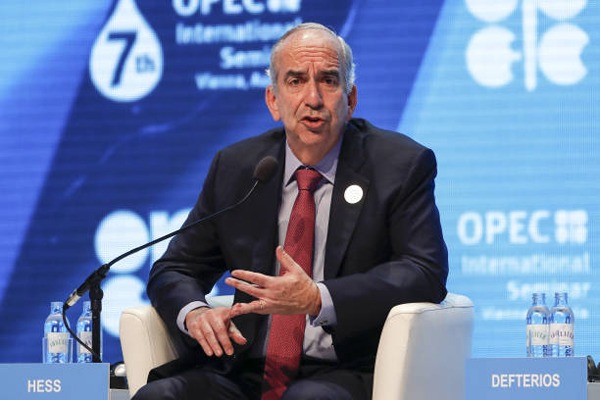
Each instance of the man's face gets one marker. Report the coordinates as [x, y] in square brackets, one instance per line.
[310, 98]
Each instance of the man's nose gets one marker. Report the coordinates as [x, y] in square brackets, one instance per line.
[312, 96]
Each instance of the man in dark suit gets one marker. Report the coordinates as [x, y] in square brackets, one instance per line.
[377, 241]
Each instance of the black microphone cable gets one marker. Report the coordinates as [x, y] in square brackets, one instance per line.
[263, 172]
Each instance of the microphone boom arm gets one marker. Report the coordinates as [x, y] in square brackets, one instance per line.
[99, 274]
[262, 173]
[92, 282]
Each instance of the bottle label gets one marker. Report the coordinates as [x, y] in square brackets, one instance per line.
[58, 342]
[86, 337]
[562, 334]
[537, 335]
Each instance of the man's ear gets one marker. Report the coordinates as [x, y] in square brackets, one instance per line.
[271, 100]
[352, 101]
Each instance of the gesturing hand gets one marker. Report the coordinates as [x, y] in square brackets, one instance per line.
[292, 292]
[214, 330]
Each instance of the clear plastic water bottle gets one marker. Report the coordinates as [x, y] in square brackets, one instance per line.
[562, 327]
[84, 333]
[538, 344]
[57, 343]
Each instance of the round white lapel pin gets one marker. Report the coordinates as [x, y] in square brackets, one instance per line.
[353, 194]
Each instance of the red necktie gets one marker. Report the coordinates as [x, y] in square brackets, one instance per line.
[284, 347]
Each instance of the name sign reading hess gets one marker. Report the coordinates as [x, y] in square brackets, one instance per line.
[55, 381]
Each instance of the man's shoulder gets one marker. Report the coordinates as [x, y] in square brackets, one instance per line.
[246, 153]
[269, 138]
[242, 157]
[374, 136]
[380, 154]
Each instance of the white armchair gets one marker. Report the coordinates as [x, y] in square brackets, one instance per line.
[421, 353]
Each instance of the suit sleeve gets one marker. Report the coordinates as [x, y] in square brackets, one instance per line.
[192, 262]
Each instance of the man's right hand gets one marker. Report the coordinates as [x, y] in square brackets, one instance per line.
[214, 330]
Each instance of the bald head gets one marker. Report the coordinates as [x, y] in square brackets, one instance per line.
[344, 51]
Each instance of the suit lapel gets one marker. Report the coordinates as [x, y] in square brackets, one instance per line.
[263, 219]
[344, 213]
[268, 201]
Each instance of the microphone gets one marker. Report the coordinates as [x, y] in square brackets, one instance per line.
[263, 172]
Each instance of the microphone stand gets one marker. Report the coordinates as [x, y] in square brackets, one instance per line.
[96, 295]
[92, 283]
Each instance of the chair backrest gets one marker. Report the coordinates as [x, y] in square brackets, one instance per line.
[423, 349]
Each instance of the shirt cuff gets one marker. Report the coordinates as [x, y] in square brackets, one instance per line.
[184, 312]
[327, 315]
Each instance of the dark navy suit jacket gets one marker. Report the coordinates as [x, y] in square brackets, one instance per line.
[384, 250]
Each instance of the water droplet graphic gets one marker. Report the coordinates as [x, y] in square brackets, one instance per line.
[126, 62]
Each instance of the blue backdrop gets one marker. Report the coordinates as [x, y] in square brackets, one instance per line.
[110, 113]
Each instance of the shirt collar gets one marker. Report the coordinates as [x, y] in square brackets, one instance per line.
[327, 166]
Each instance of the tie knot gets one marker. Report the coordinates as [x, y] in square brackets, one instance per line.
[307, 179]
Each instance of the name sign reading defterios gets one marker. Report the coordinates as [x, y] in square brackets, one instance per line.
[55, 381]
[526, 378]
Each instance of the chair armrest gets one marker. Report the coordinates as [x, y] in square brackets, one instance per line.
[422, 350]
[145, 342]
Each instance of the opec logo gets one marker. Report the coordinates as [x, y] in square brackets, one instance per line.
[119, 232]
[186, 8]
[555, 52]
[126, 62]
[519, 227]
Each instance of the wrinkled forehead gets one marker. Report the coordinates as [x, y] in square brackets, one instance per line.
[310, 45]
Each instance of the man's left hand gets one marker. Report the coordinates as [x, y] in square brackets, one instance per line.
[292, 292]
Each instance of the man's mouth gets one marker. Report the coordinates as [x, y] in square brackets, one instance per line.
[313, 122]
